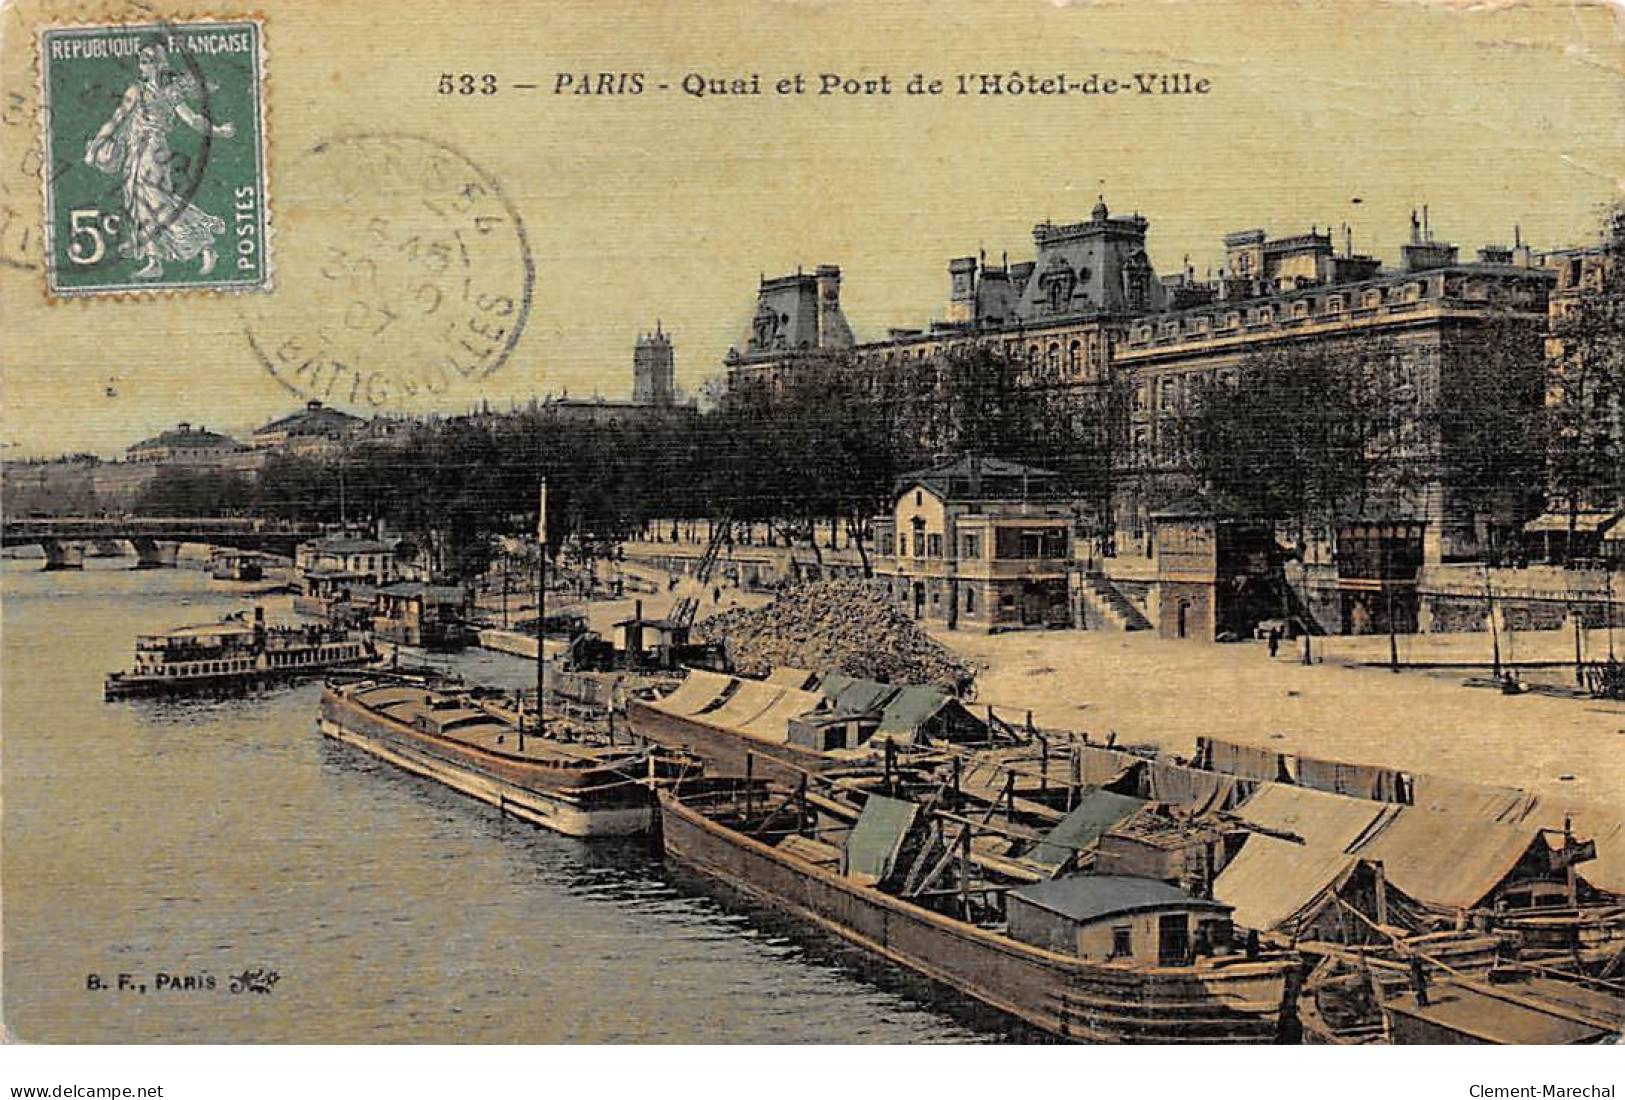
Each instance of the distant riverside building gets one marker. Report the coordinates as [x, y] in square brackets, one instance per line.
[314, 430]
[351, 558]
[978, 543]
[57, 487]
[183, 445]
[654, 369]
[1089, 314]
[654, 391]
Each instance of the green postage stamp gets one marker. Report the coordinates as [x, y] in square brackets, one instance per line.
[154, 134]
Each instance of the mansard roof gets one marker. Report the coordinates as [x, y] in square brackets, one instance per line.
[314, 419]
[185, 436]
[975, 477]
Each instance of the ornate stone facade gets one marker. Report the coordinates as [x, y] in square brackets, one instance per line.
[1090, 312]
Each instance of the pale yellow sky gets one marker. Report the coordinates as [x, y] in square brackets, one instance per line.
[664, 206]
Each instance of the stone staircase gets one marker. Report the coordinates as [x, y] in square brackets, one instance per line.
[1106, 604]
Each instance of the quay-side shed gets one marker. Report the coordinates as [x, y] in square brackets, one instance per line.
[1116, 918]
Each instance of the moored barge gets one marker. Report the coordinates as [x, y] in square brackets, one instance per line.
[796, 722]
[571, 779]
[234, 655]
[236, 565]
[1095, 958]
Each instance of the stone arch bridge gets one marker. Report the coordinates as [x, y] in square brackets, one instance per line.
[156, 539]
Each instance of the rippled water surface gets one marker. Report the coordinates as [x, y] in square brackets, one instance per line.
[205, 838]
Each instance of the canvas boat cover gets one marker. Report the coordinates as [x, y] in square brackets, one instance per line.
[1232, 758]
[1101, 767]
[1271, 882]
[1192, 790]
[1096, 812]
[1449, 861]
[386, 695]
[877, 837]
[694, 694]
[1322, 820]
[797, 678]
[1085, 898]
[773, 724]
[1508, 805]
[752, 698]
[908, 710]
[851, 695]
[1353, 780]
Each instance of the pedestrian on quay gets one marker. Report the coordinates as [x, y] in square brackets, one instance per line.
[1275, 641]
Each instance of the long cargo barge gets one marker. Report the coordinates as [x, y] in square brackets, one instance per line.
[568, 780]
[724, 750]
[780, 730]
[1238, 997]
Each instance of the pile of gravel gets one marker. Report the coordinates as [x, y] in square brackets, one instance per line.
[845, 625]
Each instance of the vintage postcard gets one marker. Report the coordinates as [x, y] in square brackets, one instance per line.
[769, 522]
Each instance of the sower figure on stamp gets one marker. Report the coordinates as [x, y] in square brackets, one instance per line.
[134, 144]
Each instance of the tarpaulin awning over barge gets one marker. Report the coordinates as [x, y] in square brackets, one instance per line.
[798, 678]
[700, 690]
[853, 695]
[773, 724]
[1096, 812]
[1320, 820]
[1449, 861]
[877, 838]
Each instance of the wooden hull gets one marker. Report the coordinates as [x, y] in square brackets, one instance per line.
[573, 804]
[723, 750]
[1219, 1001]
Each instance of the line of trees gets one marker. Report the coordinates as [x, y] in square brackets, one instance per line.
[1310, 434]
[1586, 398]
[1304, 434]
[825, 441]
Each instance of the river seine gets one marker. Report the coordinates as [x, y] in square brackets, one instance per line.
[192, 844]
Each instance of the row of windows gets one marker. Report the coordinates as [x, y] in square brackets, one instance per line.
[1329, 305]
[246, 664]
[1021, 544]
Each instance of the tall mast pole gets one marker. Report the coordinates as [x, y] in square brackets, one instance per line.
[541, 598]
[1495, 633]
[1608, 608]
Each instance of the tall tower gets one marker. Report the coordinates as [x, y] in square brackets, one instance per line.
[653, 369]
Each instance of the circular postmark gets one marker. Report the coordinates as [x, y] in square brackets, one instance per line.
[404, 276]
